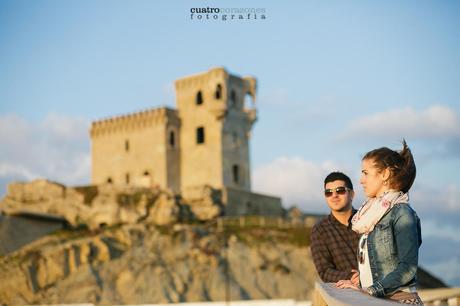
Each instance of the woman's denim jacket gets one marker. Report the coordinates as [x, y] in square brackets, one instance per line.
[393, 250]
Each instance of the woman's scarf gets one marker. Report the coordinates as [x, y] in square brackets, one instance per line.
[374, 209]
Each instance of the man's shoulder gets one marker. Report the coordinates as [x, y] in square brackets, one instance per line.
[321, 225]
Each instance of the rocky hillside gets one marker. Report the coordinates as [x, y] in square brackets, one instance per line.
[145, 263]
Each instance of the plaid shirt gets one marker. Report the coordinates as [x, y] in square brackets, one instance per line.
[333, 248]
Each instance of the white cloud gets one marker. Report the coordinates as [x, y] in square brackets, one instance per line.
[10, 123]
[56, 148]
[10, 170]
[296, 181]
[436, 200]
[453, 194]
[436, 228]
[65, 128]
[434, 122]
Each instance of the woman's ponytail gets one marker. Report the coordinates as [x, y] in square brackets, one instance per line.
[406, 176]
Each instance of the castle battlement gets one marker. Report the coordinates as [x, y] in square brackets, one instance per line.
[133, 121]
[198, 79]
[247, 83]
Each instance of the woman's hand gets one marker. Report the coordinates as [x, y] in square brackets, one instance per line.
[355, 277]
[346, 283]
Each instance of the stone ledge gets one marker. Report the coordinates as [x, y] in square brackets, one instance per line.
[328, 294]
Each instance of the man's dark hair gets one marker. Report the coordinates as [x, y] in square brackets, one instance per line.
[338, 176]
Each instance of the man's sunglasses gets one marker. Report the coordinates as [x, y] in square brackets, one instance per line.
[340, 190]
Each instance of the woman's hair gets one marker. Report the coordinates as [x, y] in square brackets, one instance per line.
[401, 165]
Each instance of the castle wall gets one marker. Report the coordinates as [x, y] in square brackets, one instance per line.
[18, 231]
[134, 150]
[240, 202]
[173, 158]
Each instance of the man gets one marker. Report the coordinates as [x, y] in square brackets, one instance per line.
[333, 242]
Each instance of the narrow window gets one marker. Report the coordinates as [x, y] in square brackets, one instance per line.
[235, 138]
[200, 135]
[127, 178]
[171, 139]
[218, 92]
[126, 145]
[233, 97]
[235, 171]
[109, 180]
[199, 98]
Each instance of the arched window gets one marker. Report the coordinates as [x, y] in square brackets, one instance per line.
[109, 180]
[249, 101]
[218, 92]
[199, 98]
[171, 139]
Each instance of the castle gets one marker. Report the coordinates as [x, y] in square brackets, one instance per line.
[204, 143]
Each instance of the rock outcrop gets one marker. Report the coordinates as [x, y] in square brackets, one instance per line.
[105, 205]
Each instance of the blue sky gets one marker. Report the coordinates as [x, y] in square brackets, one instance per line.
[336, 79]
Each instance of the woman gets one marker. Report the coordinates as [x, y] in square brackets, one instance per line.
[389, 228]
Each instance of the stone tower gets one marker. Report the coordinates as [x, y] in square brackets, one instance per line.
[216, 110]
